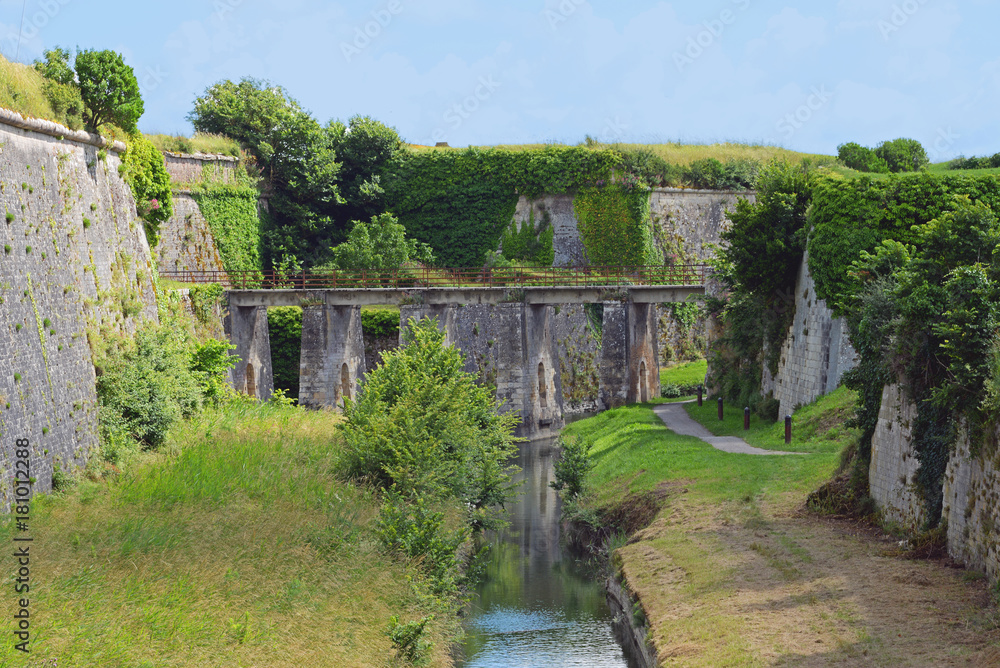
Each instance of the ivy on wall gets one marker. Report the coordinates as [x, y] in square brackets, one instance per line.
[460, 202]
[231, 212]
[615, 225]
[849, 217]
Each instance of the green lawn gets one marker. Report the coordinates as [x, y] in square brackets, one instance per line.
[634, 452]
[688, 373]
[817, 428]
[236, 545]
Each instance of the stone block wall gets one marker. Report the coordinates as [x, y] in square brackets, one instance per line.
[972, 507]
[971, 486]
[186, 241]
[817, 349]
[191, 168]
[333, 355]
[77, 279]
[246, 327]
[687, 222]
[894, 462]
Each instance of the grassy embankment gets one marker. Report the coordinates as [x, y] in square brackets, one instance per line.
[684, 375]
[732, 572]
[235, 545]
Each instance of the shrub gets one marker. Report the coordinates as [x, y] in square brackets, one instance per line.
[378, 245]
[530, 243]
[380, 324]
[902, 155]
[572, 466]
[211, 362]
[423, 425]
[284, 327]
[861, 158]
[145, 172]
[408, 526]
[144, 385]
[408, 639]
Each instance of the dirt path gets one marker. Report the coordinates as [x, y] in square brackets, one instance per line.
[748, 586]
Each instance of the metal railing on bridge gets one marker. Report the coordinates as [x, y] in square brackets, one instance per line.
[428, 277]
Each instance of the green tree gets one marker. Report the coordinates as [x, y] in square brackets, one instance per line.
[364, 147]
[378, 245]
[109, 90]
[861, 158]
[296, 156]
[56, 66]
[423, 425]
[902, 155]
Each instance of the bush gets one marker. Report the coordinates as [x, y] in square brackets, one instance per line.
[572, 466]
[144, 385]
[421, 424]
[902, 155]
[378, 245]
[861, 158]
[380, 324]
[530, 243]
[408, 639]
[145, 172]
[408, 526]
[211, 362]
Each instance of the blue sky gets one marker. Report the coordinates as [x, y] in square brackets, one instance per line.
[804, 75]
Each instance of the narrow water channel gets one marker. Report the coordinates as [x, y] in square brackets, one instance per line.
[539, 606]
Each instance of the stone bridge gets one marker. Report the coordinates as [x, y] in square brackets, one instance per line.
[522, 355]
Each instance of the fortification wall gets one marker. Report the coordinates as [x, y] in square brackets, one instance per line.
[817, 349]
[971, 486]
[972, 506]
[687, 222]
[894, 462]
[186, 241]
[191, 168]
[88, 269]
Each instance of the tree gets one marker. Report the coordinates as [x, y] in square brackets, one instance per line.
[861, 158]
[109, 89]
[296, 155]
[56, 66]
[423, 425]
[902, 155]
[378, 245]
[364, 147]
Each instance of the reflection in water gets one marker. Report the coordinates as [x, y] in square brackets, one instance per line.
[538, 606]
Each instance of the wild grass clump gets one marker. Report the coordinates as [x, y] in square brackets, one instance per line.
[200, 142]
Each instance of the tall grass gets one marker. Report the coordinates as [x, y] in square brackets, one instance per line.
[198, 143]
[234, 545]
[21, 91]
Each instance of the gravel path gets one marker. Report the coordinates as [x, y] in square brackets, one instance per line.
[679, 422]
